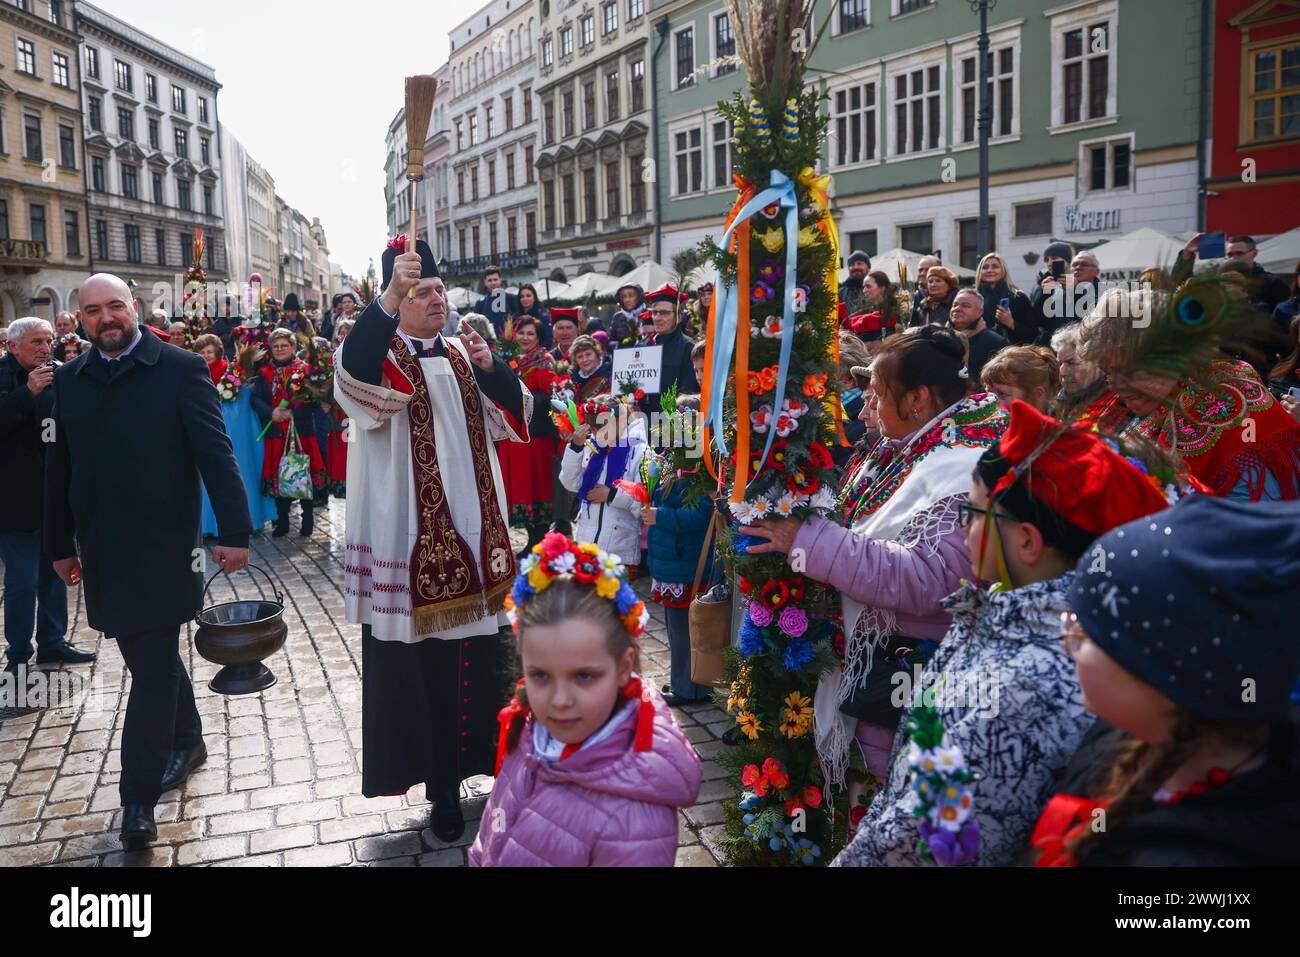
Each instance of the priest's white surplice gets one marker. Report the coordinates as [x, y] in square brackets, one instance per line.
[381, 515]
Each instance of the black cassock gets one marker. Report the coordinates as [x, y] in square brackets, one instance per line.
[429, 709]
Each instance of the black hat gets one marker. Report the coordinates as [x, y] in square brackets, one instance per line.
[858, 256]
[397, 246]
[1199, 602]
[1058, 250]
[291, 303]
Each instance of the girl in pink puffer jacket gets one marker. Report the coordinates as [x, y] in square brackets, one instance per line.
[591, 766]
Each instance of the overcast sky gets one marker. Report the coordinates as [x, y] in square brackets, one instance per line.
[309, 89]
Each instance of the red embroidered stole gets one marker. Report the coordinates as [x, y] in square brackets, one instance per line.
[446, 588]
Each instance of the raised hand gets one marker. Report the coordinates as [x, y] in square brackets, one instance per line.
[479, 352]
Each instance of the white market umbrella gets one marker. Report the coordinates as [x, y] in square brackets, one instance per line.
[584, 287]
[1281, 253]
[460, 298]
[649, 276]
[1133, 253]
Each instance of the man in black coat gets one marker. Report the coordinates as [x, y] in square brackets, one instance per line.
[967, 320]
[35, 598]
[677, 369]
[136, 425]
[224, 326]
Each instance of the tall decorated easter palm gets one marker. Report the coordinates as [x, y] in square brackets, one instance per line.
[771, 417]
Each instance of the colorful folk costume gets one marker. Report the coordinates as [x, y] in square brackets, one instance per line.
[1231, 434]
[279, 385]
[528, 468]
[232, 379]
[336, 454]
[428, 556]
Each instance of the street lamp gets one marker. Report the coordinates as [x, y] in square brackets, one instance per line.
[985, 122]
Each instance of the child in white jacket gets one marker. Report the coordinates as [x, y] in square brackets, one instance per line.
[606, 516]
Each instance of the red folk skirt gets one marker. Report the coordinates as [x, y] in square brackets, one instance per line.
[526, 469]
[273, 450]
[337, 447]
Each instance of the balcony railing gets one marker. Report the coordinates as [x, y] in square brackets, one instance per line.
[519, 259]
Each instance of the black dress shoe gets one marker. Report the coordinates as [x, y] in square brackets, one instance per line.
[138, 827]
[731, 737]
[280, 531]
[447, 821]
[181, 764]
[65, 654]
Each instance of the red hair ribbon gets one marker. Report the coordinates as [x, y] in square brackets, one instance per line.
[506, 718]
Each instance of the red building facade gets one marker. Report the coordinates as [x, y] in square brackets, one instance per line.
[1254, 171]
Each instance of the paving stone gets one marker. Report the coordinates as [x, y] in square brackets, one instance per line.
[20, 833]
[212, 849]
[326, 855]
[694, 856]
[388, 845]
[704, 814]
[312, 811]
[304, 835]
[74, 826]
[145, 857]
[451, 857]
[350, 828]
[28, 855]
[288, 794]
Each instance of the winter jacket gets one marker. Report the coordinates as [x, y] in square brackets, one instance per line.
[1022, 313]
[614, 525]
[607, 805]
[1252, 821]
[1009, 698]
[677, 536]
[926, 313]
[1061, 307]
[677, 369]
[883, 574]
[22, 453]
[984, 345]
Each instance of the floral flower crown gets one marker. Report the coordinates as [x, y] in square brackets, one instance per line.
[68, 338]
[589, 565]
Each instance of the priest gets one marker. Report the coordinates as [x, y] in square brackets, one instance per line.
[428, 555]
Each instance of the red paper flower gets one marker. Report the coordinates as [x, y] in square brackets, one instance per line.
[795, 588]
[587, 569]
[553, 546]
[819, 456]
[856, 814]
[745, 585]
[802, 482]
[775, 774]
[812, 796]
[639, 394]
[775, 594]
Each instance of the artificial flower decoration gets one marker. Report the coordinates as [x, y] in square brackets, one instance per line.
[794, 622]
[760, 615]
[802, 482]
[772, 210]
[819, 456]
[785, 505]
[761, 293]
[770, 273]
[802, 296]
[773, 240]
[761, 419]
[775, 774]
[774, 594]
[771, 328]
[948, 832]
[814, 385]
[749, 725]
[587, 564]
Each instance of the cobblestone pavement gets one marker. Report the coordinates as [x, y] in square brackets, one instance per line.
[282, 785]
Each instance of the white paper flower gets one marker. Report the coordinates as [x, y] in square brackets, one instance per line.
[920, 759]
[823, 500]
[564, 563]
[746, 513]
[949, 759]
[785, 505]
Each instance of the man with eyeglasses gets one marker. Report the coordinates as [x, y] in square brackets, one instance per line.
[1267, 291]
[1058, 302]
[677, 369]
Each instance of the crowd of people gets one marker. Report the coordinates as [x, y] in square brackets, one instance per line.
[1083, 496]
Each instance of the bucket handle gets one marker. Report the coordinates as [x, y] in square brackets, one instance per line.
[274, 591]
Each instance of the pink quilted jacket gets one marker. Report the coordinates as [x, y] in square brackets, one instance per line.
[606, 806]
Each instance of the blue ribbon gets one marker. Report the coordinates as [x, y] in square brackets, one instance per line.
[780, 191]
